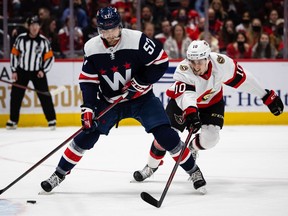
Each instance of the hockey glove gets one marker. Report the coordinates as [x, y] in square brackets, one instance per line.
[133, 89]
[192, 119]
[274, 102]
[87, 119]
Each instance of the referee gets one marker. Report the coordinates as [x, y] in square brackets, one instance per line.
[31, 58]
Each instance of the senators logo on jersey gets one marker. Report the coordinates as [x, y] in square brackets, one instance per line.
[220, 59]
[183, 67]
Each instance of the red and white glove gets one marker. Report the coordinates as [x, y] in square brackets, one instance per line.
[192, 119]
[133, 89]
[274, 102]
[87, 119]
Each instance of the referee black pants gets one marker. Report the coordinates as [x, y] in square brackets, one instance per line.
[17, 95]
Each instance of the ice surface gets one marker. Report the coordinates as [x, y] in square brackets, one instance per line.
[246, 174]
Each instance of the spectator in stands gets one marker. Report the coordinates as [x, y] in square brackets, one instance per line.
[269, 25]
[227, 35]
[149, 31]
[176, 45]
[199, 7]
[79, 13]
[123, 14]
[215, 24]
[263, 49]
[198, 30]
[90, 30]
[160, 13]
[240, 49]
[146, 15]
[245, 24]
[63, 35]
[254, 34]
[278, 37]
[165, 31]
[220, 13]
[52, 36]
[45, 17]
[213, 41]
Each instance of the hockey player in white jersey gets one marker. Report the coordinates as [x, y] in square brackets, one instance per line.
[196, 99]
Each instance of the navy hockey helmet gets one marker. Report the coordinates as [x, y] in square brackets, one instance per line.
[33, 19]
[108, 18]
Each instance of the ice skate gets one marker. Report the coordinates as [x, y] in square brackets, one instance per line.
[49, 184]
[198, 181]
[146, 172]
[10, 125]
[52, 125]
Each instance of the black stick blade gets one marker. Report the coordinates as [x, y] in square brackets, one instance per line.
[149, 199]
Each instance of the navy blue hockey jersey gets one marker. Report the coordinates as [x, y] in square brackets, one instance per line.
[107, 69]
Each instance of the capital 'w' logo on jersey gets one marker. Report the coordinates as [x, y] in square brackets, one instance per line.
[117, 79]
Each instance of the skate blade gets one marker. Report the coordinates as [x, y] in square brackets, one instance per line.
[42, 192]
[202, 190]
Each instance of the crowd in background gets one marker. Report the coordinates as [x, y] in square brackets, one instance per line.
[242, 29]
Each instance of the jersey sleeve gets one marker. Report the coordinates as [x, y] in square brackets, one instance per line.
[14, 55]
[155, 60]
[242, 79]
[48, 57]
[89, 82]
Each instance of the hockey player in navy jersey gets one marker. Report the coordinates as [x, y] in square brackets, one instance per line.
[121, 63]
[196, 99]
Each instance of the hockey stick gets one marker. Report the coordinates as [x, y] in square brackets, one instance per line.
[151, 200]
[47, 93]
[58, 147]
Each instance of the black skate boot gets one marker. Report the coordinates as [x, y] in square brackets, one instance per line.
[198, 181]
[54, 180]
[146, 172]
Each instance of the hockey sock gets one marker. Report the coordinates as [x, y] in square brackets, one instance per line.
[72, 155]
[187, 162]
[156, 155]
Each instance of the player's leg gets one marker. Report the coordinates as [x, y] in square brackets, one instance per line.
[159, 125]
[157, 152]
[17, 95]
[212, 119]
[41, 84]
[76, 149]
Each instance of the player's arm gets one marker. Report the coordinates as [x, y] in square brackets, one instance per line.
[48, 57]
[89, 85]
[155, 61]
[186, 98]
[243, 80]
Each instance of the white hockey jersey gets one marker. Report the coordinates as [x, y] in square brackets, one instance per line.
[205, 90]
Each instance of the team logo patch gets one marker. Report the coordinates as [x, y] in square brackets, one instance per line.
[183, 67]
[220, 59]
[179, 119]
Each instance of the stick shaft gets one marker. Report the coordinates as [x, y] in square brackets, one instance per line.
[151, 200]
[25, 87]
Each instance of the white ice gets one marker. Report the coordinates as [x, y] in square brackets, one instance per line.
[246, 174]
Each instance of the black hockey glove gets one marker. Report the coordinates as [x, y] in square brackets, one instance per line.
[134, 89]
[87, 119]
[192, 119]
[274, 102]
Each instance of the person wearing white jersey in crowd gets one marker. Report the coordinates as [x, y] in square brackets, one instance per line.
[196, 99]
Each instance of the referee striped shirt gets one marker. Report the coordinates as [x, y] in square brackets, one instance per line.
[31, 54]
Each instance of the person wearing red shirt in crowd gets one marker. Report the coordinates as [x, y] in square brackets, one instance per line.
[240, 48]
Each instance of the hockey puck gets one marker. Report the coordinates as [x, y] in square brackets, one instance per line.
[31, 201]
